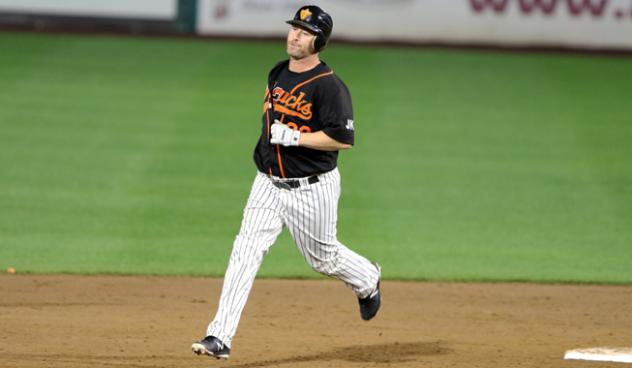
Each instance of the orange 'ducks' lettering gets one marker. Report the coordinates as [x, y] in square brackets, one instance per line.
[289, 104]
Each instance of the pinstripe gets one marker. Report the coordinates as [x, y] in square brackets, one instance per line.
[319, 215]
[239, 251]
[310, 214]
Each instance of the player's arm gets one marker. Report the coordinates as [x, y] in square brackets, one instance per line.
[321, 141]
[336, 114]
[282, 134]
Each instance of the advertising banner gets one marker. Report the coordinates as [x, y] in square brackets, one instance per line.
[138, 9]
[590, 24]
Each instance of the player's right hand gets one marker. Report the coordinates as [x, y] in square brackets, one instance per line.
[281, 134]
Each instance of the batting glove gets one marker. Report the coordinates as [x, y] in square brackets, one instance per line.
[283, 135]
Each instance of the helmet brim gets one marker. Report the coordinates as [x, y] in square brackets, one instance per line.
[303, 25]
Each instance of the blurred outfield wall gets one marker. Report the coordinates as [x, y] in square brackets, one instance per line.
[151, 9]
[577, 24]
[119, 16]
[557, 23]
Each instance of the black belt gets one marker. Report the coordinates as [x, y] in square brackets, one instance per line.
[293, 184]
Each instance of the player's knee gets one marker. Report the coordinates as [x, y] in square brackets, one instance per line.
[327, 268]
[246, 248]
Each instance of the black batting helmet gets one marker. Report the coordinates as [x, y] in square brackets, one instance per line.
[315, 20]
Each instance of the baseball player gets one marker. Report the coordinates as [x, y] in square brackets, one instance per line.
[307, 119]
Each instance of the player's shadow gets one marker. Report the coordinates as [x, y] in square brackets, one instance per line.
[381, 353]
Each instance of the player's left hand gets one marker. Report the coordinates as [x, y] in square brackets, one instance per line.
[281, 134]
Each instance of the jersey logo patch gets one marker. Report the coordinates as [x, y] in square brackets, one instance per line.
[349, 125]
[289, 104]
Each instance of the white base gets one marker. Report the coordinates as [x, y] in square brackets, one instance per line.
[604, 354]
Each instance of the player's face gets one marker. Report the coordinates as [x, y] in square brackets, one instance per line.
[299, 43]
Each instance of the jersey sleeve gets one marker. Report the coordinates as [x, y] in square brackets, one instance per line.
[336, 113]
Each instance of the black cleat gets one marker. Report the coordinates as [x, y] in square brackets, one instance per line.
[211, 346]
[371, 304]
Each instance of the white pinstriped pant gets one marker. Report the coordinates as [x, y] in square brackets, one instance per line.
[310, 214]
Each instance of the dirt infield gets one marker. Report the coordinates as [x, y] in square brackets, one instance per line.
[72, 321]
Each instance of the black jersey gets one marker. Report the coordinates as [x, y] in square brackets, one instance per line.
[315, 100]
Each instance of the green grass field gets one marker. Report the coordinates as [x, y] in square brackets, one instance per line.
[133, 156]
